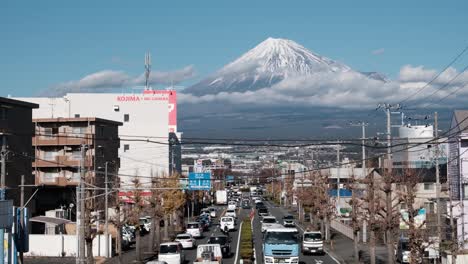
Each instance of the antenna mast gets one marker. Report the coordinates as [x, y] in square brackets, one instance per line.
[147, 69]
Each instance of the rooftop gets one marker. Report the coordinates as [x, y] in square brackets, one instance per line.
[76, 119]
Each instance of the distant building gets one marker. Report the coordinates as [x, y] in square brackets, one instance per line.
[16, 130]
[57, 146]
[148, 119]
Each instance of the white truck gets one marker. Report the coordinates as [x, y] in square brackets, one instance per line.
[312, 242]
[209, 254]
[221, 197]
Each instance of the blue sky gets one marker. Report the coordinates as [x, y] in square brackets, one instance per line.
[44, 43]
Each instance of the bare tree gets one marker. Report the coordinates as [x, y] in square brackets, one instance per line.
[134, 215]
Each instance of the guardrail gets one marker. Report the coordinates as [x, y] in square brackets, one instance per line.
[342, 228]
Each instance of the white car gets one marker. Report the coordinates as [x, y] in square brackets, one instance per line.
[232, 205]
[231, 213]
[186, 240]
[171, 253]
[227, 223]
[267, 222]
[195, 229]
[212, 212]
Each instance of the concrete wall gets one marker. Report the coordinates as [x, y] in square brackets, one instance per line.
[56, 244]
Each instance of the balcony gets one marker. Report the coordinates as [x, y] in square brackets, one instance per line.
[58, 179]
[61, 161]
[62, 140]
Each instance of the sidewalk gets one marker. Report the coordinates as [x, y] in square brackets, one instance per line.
[343, 250]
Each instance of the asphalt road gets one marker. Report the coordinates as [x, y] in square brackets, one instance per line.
[279, 213]
[191, 254]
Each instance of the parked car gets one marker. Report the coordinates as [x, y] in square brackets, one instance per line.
[195, 229]
[186, 240]
[172, 253]
[223, 241]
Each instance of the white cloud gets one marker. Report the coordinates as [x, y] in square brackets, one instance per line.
[348, 90]
[378, 51]
[108, 80]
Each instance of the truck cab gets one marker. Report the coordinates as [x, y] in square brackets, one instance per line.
[281, 245]
[209, 254]
[312, 242]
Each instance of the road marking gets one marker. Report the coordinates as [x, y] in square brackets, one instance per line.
[317, 261]
[238, 243]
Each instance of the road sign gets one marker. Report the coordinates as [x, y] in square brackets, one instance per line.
[229, 178]
[199, 181]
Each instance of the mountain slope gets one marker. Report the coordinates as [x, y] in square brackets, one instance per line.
[265, 65]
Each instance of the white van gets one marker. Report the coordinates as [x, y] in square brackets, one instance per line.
[195, 229]
[171, 253]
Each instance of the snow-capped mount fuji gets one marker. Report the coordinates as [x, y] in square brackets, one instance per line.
[270, 62]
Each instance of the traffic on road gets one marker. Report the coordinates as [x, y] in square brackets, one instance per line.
[213, 236]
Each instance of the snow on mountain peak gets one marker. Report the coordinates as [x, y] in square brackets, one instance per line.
[268, 63]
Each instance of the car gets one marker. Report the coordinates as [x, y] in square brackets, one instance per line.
[223, 241]
[171, 252]
[195, 229]
[245, 204]
[212, 212]
[186, 240]
[205, 211]
[231, 212]
[145, 225]
[227, 224]
[267, 222]
[205, 224]
[263, 212]
[260, 205]
[232, 205]
[288, 221]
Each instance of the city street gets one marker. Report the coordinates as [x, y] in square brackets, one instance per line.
[279, 213]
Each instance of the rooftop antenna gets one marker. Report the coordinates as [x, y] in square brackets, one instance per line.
[147, 69]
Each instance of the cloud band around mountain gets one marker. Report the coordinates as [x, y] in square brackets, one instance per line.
[350, 90]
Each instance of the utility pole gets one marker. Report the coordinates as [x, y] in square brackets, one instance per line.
[82, 252]
[439, 207]
[22, 214]
[106, 227]
[338, 178]
[388, 180]
[3, 154]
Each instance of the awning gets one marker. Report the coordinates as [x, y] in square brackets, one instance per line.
[49, 220]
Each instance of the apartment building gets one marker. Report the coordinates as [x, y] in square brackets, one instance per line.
[57, 144]
[15, 132]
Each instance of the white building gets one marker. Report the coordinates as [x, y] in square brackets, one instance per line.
[147, 119]
[416, 147]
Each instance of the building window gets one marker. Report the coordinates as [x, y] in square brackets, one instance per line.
[126, 118]
[126, 147]
[76, 154]
[116, 108]
[100, 131]
[50, 155]
[3, 113]
[429, 207]
[49, 176]
[79, 130]
[428, 186]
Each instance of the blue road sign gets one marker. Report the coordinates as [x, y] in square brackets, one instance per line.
[199, 181]
[229, 178]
